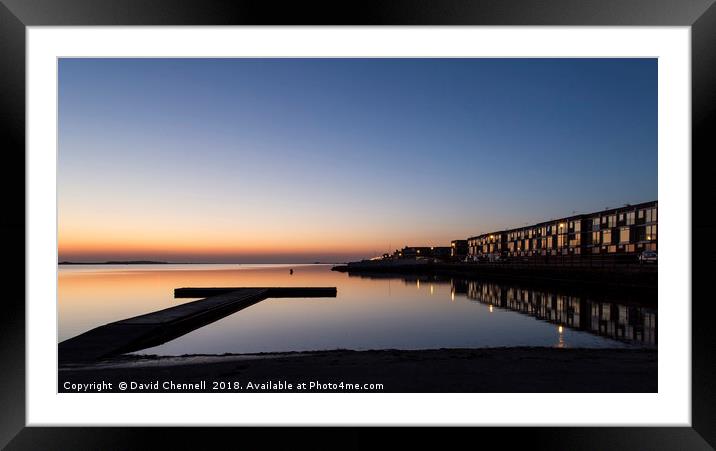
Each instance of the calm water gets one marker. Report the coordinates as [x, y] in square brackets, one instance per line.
[368, 313]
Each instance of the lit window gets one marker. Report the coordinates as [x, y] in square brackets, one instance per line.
[561, 240]
[651, 215]
[624, 235]
[606, 236]
[630, 218]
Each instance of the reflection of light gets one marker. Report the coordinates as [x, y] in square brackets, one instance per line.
[417, 282]
[431, 289]
[452, 295]
[490, 308]
[560, 329]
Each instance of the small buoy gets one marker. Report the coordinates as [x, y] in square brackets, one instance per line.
[290, 271]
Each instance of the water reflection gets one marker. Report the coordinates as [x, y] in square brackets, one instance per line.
[600, 314]
[630, 323]
[621, 318]
[370, 311]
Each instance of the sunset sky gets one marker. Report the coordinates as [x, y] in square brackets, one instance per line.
[298, 160]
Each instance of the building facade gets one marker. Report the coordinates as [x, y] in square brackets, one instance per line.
[626, 230]
[622, 230]
[487, 244]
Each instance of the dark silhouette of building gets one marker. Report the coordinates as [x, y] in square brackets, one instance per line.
[458, 249]
[436, 252]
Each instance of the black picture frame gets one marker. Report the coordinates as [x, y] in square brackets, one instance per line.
[16, 15]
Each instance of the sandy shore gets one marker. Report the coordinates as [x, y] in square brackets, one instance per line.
[442, 370]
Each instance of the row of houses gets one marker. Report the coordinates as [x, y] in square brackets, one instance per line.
[626, 230]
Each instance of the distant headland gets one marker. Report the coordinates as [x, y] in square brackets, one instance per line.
[151, 262]
[128, 262]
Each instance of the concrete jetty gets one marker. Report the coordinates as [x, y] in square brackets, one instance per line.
[152, 329]
[272, 292]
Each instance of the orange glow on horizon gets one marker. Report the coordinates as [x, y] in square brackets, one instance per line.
[207, 244]
[149, 240]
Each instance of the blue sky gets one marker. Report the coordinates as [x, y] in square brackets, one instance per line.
[342, 157]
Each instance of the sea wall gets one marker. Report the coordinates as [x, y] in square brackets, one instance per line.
[635, 276]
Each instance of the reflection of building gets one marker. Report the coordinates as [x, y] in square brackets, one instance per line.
[613, 320]
[458, 249]
[459, 287]
[626, 230]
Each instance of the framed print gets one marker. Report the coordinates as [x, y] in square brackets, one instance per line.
[251, 214]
